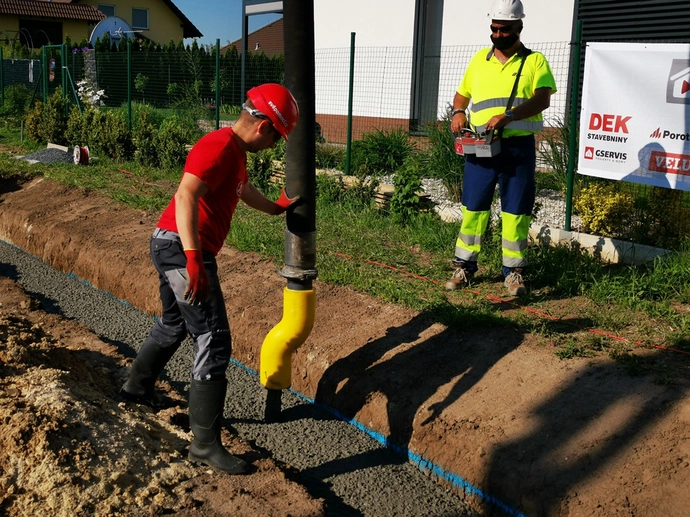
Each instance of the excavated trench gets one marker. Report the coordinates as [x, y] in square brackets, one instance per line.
[85, 259]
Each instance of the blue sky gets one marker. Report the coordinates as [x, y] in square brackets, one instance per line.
[220, 19]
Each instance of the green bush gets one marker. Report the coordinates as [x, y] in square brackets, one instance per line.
[261, 165]
[47, 122]
[16, 106]
[405, 202]
[140, 82]
[648, 215]
[379, 153]
[604, 210]
[329, 189]
[441, 161]
[151, 142]
[33, 121]
[105, 132]
[260, 169]
[146, 112]
[329, 156]
[119, 140]
[75, 127]
[661, 217]
[189, 124]
[278, 152]
[96, 131]
[230, 109]
[169, 141]
[669, 210]
[144, 141]
[87, 124]
[53, 120]
[361, 193]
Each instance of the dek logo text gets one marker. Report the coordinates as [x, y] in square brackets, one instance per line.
[609, 123]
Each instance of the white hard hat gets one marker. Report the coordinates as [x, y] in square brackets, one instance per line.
[507, 10]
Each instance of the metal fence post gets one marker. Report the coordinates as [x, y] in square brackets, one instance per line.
[348, 147]
[2, 81]
[63, 73]
[217, 83]
[129, 84]
[44, 65]
[575, 90]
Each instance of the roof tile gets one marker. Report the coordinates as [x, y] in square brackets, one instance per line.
[43, 9]
[268, 39]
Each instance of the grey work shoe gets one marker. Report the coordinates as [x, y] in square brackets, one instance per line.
[515, 283]
[461, 278]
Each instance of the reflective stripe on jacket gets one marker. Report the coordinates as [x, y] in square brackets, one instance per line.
[488, 84]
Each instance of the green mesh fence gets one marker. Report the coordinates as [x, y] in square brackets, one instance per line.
[183, 80]
[21, 72]
[393, 87]
[390, 92]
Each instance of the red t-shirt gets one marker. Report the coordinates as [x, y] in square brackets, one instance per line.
[218, 161]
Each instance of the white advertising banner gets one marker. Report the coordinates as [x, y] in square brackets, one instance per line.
[635, 117]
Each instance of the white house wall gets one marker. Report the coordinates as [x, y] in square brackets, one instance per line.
[384, 51]
[381, 88]
[467, 23]
[390, 23]
[377, 23]
[384, 35]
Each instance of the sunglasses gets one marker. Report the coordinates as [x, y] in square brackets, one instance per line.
[260, 114]
[504, 29]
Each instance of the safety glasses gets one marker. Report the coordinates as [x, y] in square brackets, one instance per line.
[503, 29]
[260, 114]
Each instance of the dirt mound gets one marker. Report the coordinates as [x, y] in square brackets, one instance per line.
[68, 447]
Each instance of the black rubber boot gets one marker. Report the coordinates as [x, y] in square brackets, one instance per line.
[149, 363]
[206, 402]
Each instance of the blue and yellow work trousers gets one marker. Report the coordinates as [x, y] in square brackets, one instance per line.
[513, 170]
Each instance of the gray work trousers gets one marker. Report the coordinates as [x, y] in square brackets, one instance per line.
[207, 323]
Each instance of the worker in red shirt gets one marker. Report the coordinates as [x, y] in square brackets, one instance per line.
[184, 245]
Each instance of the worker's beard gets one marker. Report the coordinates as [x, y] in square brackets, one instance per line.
[504, 42]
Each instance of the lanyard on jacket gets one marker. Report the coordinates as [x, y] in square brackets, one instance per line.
[523, 52]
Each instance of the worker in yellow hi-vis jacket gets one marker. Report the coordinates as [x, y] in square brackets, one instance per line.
[509, 86]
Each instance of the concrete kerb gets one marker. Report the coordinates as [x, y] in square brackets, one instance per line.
[612, 251]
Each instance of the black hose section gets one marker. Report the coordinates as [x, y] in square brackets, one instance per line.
[300, 173]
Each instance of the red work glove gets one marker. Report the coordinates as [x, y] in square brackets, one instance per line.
[284, 202]
[198, 286]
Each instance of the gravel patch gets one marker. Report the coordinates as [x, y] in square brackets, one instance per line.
[49, 155]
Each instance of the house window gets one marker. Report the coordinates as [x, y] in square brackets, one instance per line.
[140, 18]
[108, 10]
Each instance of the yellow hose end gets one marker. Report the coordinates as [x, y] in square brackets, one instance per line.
[275, 367]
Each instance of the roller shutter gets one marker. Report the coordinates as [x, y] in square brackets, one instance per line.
[660, 21]
[634, 20]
